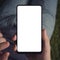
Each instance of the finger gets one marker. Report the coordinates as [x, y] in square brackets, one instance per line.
[14, 48]
[4, 45]
[5, 56]
[14, 38]
[46, 41]
[2, 40]
[1, 35]
[1, 53]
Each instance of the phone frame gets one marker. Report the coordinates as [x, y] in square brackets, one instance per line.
[41, 30]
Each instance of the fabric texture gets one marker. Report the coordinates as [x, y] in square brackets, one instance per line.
[8, 20]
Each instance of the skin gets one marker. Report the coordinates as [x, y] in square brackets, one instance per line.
[3, 45]
[45, 55]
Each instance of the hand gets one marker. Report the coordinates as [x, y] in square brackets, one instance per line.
[45, 55]
[14, 39]
[3, 45]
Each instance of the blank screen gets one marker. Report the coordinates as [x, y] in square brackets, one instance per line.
[29, 28]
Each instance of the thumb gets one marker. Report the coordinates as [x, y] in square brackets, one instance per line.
[5, 56]
[46, 41]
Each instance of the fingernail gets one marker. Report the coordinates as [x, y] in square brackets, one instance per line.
[8, 43]
[14, 37]
[7, 53]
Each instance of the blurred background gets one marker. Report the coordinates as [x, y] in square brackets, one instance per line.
[55, 40]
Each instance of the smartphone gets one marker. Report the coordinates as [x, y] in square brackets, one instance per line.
[29, 28]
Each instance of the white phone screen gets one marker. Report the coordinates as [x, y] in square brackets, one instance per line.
[29, 29]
